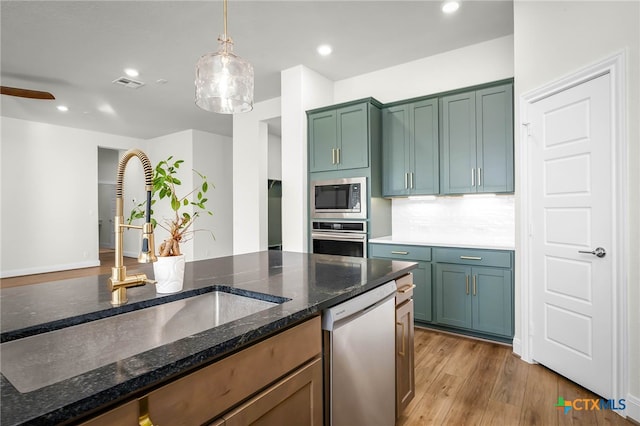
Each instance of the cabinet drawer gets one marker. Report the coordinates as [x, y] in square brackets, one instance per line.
[400, 252]
[501, 259]
[405, 288]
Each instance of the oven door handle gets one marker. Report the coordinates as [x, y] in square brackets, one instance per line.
[338, 236]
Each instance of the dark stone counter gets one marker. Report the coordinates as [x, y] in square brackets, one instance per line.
[311, 283]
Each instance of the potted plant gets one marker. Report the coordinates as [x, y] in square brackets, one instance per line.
[169, 269]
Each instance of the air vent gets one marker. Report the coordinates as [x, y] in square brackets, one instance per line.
[127, 82]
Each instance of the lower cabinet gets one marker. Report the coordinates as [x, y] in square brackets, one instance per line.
[475, 298]
[405, 363]
[279, 376]
[459, 289]
[422, 296]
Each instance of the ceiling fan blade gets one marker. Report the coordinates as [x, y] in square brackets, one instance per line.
[25, 93]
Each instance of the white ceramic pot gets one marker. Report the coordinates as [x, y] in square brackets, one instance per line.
[168, 271]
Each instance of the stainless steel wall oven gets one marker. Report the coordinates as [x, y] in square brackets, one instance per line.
[341, 238]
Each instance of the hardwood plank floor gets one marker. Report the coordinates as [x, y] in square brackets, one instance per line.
[463, 381]
[106, 262]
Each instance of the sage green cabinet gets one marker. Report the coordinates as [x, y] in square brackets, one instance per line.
[422, 293]
[410, 149]
[453, 304]
[477, 141]
[339, 138]
[477, 298]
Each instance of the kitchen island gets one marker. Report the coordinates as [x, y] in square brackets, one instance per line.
[301, 284]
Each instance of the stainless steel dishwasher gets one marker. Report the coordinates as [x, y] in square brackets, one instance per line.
[359, 350]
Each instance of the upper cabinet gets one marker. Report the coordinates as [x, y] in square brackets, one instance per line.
[477, 141]
[339, 137]
[410, 149]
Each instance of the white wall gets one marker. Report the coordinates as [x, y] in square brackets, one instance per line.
[212, 154]
[250, 154]
[49, 198]
[302, 89]
[479, 63]
[553, 39]
[50, 190]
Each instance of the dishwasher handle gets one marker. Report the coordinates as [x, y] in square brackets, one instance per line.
[334, 315]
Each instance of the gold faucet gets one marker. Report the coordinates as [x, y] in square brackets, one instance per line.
[119, 280]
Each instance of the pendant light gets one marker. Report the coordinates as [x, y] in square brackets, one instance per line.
[224, 81]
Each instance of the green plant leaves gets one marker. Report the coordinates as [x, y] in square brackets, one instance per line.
[165, 185]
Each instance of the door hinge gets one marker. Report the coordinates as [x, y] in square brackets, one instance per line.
[528, 126]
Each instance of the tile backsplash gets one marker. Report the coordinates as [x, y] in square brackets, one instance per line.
[472, 219]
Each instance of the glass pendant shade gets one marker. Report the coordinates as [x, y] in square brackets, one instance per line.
[224, 81]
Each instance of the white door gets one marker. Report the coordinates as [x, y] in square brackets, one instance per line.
[570, 144]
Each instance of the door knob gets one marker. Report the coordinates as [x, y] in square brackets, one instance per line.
[598, 251]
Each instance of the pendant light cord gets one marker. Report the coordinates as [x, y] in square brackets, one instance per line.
[224, 7]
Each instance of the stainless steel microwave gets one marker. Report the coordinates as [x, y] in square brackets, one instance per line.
[339, 198]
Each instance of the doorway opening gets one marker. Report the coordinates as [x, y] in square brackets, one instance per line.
[274, 184]
[107, 166]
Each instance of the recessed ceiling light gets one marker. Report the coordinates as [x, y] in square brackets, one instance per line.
[324, 50]
[131, 72]
[62, 108]
[450, 6]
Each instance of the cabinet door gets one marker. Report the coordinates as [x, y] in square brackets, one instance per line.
[322, 141]
[458, 143]
[353, 137]
[295, 400]
[422, 292]
[405, 376]
[453, 300]
[395, 142]
[494, 119]
[423, 156]
[492, 300]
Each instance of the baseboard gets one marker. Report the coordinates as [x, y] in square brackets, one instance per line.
[50, 268]
[633, 408]
[517, 347]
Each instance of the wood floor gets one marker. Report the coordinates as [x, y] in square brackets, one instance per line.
[461, 381]
[106, 262]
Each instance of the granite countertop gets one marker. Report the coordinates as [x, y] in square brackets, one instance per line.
[309, 282]
[452, 241]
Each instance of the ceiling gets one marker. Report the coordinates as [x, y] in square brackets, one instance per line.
[75, 49]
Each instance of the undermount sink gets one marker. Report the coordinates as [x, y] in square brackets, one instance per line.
[37, 361]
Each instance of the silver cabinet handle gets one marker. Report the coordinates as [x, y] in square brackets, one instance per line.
[333, 156]
[411, 180]
[470, 258]
[473, 176]
[479, 176]
[404, 253]
[338, 156]
[598, 251]
[406, 181]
